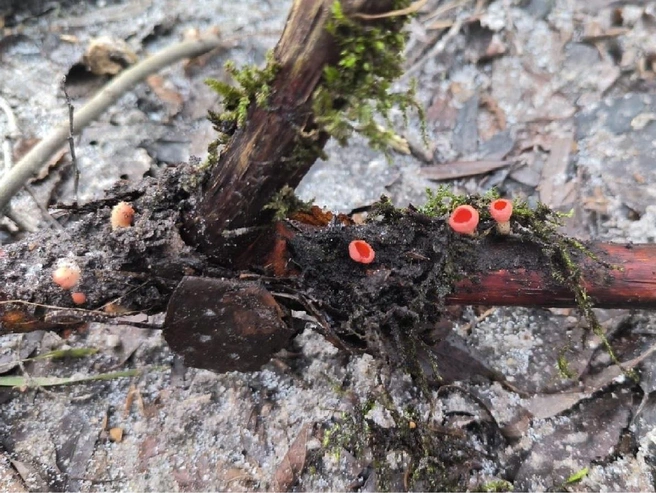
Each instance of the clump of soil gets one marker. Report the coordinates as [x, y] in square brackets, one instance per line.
[392, 304]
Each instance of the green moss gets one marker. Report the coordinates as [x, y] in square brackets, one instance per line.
[577, 476]
[355, 94]
[431, 463]
[496, 485]
[563, 367]
[253, 86]
[285, 203]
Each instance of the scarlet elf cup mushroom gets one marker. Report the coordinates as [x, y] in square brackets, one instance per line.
[361, 251]
[67, 274]
[464, 220]
[501, 211]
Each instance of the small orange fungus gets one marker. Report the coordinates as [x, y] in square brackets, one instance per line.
[79, 298]
[361, 251]
[501, 210]
[464, 219]
[122, 215]
[66, 275]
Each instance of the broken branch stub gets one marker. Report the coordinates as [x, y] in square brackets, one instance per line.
[279, 140]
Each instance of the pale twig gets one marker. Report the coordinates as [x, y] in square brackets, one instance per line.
[34, 160]
[443, 9]
[414, 7]
[434, 51]
[71, 142]
[13, 132]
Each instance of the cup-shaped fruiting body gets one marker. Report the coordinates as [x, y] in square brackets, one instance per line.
[501, 210]
[122, 215]
[464, 220]
[79, 298]
[361, 251]
[67, 274]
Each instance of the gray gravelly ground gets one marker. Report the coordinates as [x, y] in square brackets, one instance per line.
[563, 89]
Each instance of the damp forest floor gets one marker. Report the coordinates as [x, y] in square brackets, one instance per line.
[547, 100]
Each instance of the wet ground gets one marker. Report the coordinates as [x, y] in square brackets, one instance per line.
[550, 100]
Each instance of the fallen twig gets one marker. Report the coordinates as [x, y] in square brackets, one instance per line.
[34, 160]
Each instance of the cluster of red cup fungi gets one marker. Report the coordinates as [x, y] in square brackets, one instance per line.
[464, 218]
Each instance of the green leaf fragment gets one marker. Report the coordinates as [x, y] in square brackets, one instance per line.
[578, 476]
[23, 381]
[65, 353]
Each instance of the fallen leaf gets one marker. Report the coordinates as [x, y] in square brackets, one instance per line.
[164, 91]
[459, 169]
[107, 56]
[75, 445]
[555, 189]
[9, 478]
[30, 476]
[598, 202]
[591, 432]
[292, 464]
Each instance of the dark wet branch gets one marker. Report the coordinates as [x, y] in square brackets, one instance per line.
[279, 143]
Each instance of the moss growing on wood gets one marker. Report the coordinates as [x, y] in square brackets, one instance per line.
[253, 87]
[539, 226]
[285, 203]
[356, 93]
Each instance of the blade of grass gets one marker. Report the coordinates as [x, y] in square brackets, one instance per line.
[23, 381]
[65, 353]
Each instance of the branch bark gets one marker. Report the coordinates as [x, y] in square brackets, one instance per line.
[631, 285]
[263, 156]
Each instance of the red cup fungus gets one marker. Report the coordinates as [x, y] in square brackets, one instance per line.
[361, 251]
[66, 275]
[464, 220]
[501, 210]
[122, 215]
[79, 298]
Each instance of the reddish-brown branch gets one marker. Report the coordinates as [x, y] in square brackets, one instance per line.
[631, 285]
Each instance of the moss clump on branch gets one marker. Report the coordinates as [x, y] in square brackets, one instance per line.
[355, 94]
[285, 203]
[253, 87]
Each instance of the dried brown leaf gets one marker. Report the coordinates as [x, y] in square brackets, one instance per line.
[555, 190]
[30, 476]
[293, 462]
[459, 169]
[164, 91]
